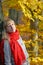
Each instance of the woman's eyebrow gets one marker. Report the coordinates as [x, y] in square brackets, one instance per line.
[8, 23]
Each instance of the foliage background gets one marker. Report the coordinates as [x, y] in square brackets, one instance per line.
[29, 15]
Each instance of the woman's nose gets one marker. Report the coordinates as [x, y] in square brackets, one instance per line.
[10, 26]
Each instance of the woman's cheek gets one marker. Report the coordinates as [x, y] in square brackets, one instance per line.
[14, 28]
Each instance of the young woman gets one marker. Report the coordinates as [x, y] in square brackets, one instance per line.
[13, 50]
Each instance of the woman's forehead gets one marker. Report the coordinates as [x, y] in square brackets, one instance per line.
[10, 22]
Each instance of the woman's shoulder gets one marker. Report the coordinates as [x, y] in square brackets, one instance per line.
[1, 42]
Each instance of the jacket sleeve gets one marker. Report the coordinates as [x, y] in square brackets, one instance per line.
[27, 62]
[23, 47]
[7, 53]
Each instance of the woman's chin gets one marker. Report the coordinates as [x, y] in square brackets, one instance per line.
[11, 31]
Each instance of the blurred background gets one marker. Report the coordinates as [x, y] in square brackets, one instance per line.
[28, 16]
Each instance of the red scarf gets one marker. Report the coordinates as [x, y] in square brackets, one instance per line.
[16, 49]
[17, 52]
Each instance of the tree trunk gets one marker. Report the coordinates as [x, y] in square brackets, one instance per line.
[34, 26]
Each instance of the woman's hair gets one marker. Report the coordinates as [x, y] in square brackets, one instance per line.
[4, 26]
[7, 21]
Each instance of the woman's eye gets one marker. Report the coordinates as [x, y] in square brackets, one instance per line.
[12, 24]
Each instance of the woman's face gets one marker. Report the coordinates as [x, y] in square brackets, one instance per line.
[11, 27]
